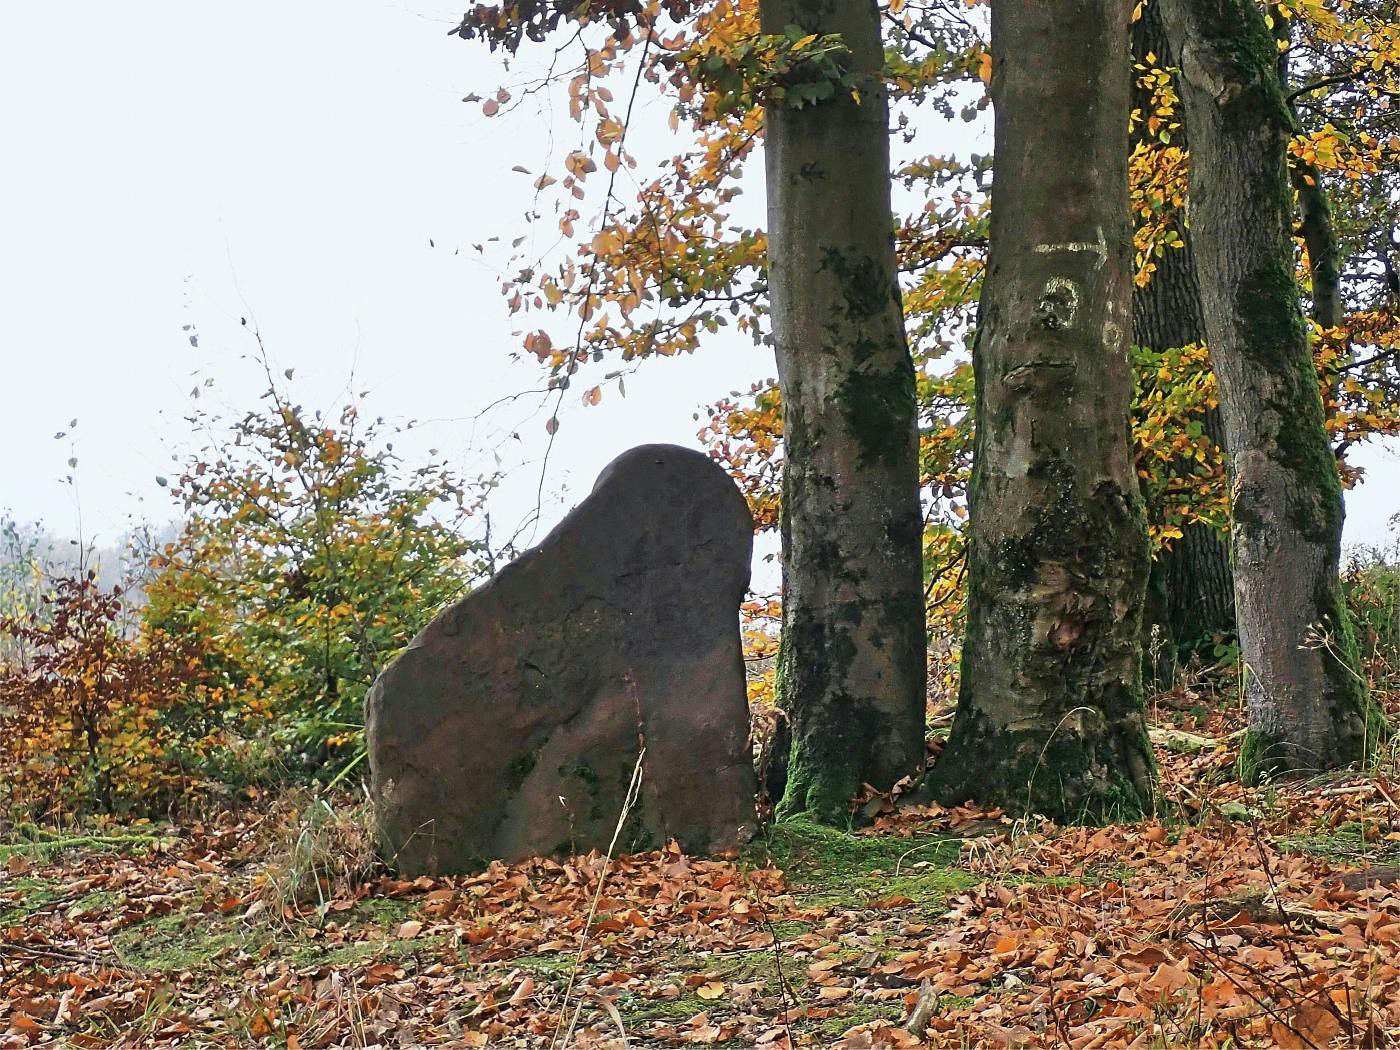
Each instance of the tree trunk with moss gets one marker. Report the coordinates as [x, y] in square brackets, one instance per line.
[1307, 702]
[1315, 225]
[852, 665]
[1050, 714]
[1192, 579]
[1319, 235]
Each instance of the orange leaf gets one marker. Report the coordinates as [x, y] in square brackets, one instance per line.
[886, 903]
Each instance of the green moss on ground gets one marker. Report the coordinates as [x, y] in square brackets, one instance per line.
[825, 866]
[350, 953]
[382, 911]
[788, 929]
[183, 941]
[746, 968]
[1345, 843]
[833, 1028]
[738, 968]
[191, 940]
[93, 903]
[39, 845]
[550, 966]
[639, 1011]
[34, 895]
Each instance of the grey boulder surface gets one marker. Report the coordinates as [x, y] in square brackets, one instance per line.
[511, 725]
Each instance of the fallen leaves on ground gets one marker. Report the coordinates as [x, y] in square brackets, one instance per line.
[1255, 917]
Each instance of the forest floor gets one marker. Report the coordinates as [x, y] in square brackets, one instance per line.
[1244, 917]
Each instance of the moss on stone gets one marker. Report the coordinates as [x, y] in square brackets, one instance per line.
[520, 767]
[586, 773]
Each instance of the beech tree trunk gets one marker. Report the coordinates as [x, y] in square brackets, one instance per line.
[1050, 713]
[1307, 703]
[1315, 223]
[1195, 593]
[1316, 228]
[852, 664]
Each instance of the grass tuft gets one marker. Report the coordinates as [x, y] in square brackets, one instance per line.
[317, 853]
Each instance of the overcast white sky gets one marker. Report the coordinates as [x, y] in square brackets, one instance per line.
[173, 163]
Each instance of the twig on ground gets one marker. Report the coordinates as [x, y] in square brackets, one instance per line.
[627, 802]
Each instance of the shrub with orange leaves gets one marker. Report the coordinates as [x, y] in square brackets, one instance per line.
[93, 717]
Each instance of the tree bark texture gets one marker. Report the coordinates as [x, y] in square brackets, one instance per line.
[1319, 235]
[852, 664]
[1307, 703]
[1050, 713]
[1315, 223]
[1196, 593]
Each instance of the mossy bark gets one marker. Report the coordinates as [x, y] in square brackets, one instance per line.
[1307, 703]
[853, 653]
[1196, 601]
[1319, 235]
[1050, 714]
[1315, 224]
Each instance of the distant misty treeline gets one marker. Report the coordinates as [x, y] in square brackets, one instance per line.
[33, 557]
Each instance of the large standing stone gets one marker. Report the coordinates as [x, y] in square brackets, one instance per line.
[510, 727]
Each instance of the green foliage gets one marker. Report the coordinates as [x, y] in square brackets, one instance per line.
[794, 69]
[1373, 594]
[1371, 584]
[22, 558]
[310, 555]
